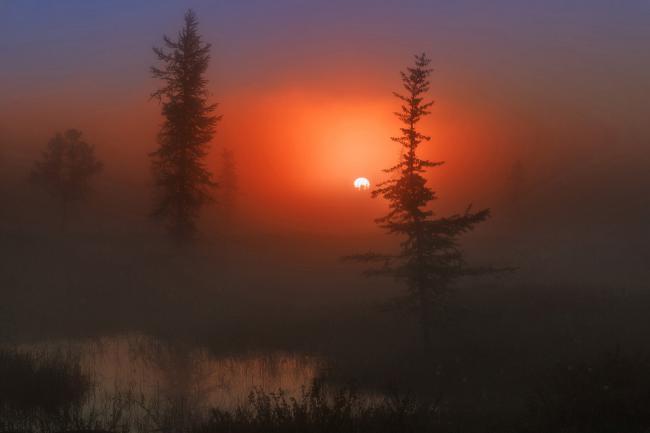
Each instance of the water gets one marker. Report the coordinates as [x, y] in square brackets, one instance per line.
[149, 369]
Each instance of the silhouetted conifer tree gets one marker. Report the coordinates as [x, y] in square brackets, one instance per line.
[183, 182]
[67, 165]
[430, 258]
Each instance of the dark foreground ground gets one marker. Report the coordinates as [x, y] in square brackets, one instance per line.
[518, 353]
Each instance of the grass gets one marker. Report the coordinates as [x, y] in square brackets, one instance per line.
[317, 410]
[48, 393]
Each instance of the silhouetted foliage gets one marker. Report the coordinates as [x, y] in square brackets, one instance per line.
[183, 182]
[315, 410]
[430, 258]
[36, 390]
[47, 392]
[67, 165]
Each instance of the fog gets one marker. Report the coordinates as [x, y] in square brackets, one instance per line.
[539, 115]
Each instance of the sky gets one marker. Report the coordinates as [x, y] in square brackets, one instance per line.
[305, 90]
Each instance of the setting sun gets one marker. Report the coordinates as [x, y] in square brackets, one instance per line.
[361, 183]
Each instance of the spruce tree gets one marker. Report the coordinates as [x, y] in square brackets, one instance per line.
[429, 259]
[184, 184]
[65, 169]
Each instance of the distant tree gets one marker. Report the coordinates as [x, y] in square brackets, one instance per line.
[182, 180]
[65, 169]
[228, 181]
[430, 259]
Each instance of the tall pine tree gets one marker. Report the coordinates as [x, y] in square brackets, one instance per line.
[430, 259]
[182, 180]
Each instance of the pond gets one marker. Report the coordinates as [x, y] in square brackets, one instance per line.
[150, 369]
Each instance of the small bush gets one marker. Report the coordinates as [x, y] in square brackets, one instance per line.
[46, 383]
[39, 389]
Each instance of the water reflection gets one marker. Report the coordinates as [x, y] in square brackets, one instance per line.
[179, 374]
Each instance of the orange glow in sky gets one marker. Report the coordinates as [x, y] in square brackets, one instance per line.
[297, 149]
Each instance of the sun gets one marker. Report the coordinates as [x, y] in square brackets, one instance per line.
[361, 183]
